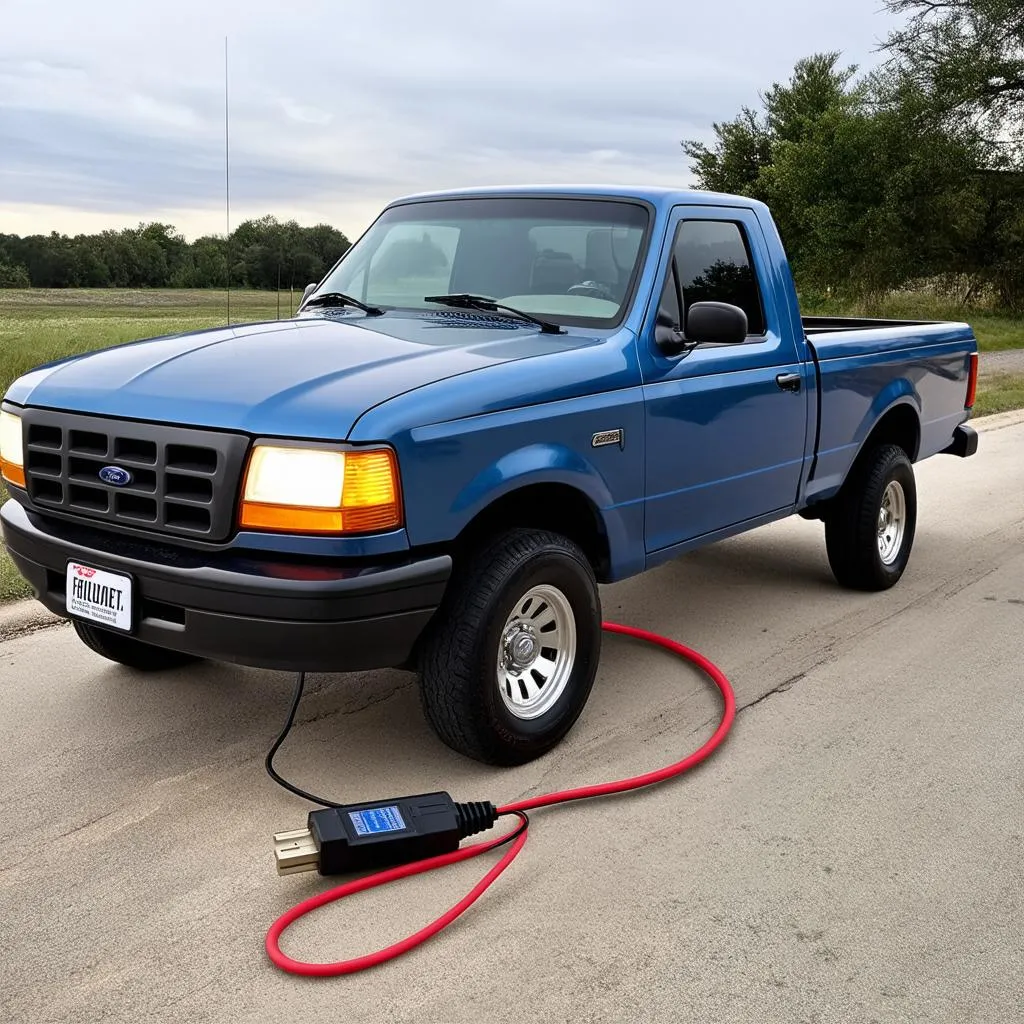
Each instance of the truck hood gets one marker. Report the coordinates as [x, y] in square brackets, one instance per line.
[310, 378]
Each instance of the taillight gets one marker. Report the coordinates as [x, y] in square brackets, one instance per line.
[972, 382]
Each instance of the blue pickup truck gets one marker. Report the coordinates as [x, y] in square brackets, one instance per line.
[494, 402]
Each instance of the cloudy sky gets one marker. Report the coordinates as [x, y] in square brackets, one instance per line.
[113, 112]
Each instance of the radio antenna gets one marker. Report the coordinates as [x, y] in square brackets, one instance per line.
[227, 183]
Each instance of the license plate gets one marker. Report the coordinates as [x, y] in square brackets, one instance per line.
[99, 596]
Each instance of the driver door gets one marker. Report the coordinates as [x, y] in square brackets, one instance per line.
[726, 430]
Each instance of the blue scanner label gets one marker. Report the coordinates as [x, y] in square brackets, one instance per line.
[377, 819]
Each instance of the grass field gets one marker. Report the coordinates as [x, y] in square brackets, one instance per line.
[1000, 393]
[39, 325]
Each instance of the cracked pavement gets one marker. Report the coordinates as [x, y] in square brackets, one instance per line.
[853, 853]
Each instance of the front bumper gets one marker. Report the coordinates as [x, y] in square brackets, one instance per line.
[248, 609]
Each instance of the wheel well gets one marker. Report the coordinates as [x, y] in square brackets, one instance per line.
[556, 507]
[899, 426]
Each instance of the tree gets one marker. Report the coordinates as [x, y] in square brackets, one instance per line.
[13, 276]
[263, 252]
[734, 164]
[967, 57]
[870, 188]
[746, 145]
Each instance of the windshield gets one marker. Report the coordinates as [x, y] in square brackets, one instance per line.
[570, 260]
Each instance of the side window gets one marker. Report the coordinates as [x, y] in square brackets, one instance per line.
[715, 266]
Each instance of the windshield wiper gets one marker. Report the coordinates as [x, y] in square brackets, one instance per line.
[341, 299]
[464, 301]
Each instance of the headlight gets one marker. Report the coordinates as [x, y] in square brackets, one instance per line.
[12, 450]
[316, 490]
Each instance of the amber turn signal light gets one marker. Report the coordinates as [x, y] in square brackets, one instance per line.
[12, 474]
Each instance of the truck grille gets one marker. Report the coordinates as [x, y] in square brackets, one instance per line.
[179, 481]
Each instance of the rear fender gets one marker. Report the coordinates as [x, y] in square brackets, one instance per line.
[900, 393]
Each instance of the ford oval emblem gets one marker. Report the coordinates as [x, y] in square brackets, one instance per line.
[115, 476]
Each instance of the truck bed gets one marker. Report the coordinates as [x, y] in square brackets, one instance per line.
[866, 366]
[835, 324]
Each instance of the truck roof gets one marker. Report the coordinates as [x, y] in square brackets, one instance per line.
[657, 196]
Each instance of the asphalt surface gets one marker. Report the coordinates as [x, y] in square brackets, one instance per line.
[852, 854]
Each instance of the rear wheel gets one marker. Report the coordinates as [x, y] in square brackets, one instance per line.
[511, 661]
[126, 650]
[869, 531]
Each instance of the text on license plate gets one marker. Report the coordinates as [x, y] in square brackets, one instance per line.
[99, 596]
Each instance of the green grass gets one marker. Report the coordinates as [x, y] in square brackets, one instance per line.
[39, 325]
[1000, 392]
[993, 330]
[12, 586]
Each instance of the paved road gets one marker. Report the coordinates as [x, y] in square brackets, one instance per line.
[853, 854]
[1009, 360]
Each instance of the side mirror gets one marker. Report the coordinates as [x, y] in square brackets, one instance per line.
[716, 323]
[310, 288]
[668, 336]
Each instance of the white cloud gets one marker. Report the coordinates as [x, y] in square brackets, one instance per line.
[113, 113]
[304, 114]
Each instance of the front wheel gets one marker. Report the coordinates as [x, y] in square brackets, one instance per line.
[870, 530]
[511, 661]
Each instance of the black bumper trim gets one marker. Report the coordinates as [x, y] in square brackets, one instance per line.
[964, 444]
[249, 610]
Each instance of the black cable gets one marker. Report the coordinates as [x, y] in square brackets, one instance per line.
[300, 683]
[524, 824]
[269, 762]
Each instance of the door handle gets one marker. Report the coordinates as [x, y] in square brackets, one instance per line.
[788, 381]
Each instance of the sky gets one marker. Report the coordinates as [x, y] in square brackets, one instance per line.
[112, 112]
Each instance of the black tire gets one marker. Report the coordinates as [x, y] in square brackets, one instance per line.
[126, 650]
[851, 526]
[459, 686]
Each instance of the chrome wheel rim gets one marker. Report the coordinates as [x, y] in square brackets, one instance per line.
[536, 652]
[892, 523]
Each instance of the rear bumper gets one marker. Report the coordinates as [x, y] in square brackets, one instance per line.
[964, 444]
[247, 609]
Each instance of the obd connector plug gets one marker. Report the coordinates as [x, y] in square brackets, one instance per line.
[359, 837]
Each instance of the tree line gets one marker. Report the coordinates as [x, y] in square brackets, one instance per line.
[261, 253]
[911, 176]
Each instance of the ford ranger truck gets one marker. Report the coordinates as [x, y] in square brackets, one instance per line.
[494, 402]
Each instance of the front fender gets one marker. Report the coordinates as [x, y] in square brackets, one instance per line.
[556, 464]
[453, 471]
[534, 464]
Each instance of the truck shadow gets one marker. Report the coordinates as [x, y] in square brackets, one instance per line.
[360, 735]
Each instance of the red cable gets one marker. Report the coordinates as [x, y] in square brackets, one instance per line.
[518, 809]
